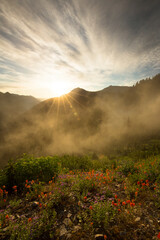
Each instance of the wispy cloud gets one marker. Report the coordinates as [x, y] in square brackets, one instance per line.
[86, 43]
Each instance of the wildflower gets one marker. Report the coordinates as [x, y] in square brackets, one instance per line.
[136, 193]
[26, 181]
[124, 203]
[29, 219]
[7, 217]
[158, 236]
[4, 186]
[119, 210]
[128, 201]
[115, 196]
[138, 182]
[40, 205]
[91, 208]
[91, 223]
[85, 198]
[105, 236]
[132, 204]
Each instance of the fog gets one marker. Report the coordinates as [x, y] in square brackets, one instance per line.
[82, 122]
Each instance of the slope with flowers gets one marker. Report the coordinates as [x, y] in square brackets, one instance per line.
[80, 197]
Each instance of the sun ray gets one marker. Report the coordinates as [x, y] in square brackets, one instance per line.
[64, 104]
[76, 101]
[73, 109]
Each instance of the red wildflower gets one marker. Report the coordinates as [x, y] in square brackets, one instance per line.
[7, 217]
[29, 219]
[85, 198]
[158, 236]
[40, 205]
[91, 208]
[132, 204]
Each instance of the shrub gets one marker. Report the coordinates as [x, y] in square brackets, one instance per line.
[30, 168]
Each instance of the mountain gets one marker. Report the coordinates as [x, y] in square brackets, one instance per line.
[83, 121]
[12, 105]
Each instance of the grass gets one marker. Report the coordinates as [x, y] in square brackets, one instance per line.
[75, 197]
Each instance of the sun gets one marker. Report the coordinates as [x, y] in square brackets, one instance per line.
[59, 88]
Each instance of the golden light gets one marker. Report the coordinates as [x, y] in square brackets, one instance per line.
[59, 88]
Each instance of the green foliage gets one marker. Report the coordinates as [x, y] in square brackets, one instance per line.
[76, 162]
[43, 225]
[84, 186]
[30, 168]
[128, 167]
[3, 178]
[102, 214]
[15, 203]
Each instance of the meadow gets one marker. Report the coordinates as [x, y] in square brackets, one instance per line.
[81, 197]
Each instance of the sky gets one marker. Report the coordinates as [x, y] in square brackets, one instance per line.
[49, 47]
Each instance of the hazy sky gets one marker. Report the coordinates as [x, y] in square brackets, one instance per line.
[48, 47]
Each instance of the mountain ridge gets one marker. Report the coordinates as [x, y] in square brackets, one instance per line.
[83, 121]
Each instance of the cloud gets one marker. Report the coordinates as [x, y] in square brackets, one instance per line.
[85, 43]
